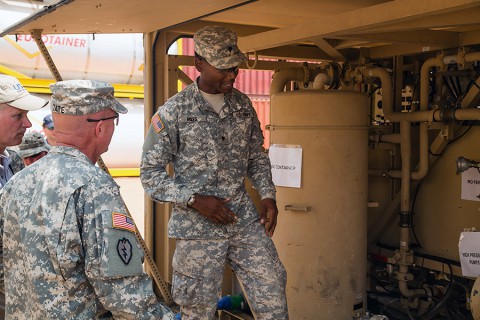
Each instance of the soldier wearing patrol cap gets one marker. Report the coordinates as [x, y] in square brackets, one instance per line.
[33, 147]
[15, 103]
[69, 245]
[48, 130]
[211, 135]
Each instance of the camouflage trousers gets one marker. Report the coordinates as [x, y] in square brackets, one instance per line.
[198, 267]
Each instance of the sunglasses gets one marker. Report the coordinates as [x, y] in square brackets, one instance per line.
[116, 117]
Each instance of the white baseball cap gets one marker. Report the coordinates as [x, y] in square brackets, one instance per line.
[15, 95]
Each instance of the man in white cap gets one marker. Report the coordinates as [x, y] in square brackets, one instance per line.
[15, 102]
[211, 135]
[69, 244]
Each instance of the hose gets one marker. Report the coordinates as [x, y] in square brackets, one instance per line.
[435, 310]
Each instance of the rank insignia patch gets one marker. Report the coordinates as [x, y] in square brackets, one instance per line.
[122, 221]
[157, 123]
[124, 249]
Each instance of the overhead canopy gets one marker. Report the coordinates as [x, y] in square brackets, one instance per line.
[301, 28]
[118, 16]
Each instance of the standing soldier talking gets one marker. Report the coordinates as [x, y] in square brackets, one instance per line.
[211, 134]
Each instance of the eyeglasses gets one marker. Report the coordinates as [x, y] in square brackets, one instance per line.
[103, 119]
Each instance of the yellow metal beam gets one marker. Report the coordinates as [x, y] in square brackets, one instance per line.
[11, 72]
[131, 91]
[124, 172]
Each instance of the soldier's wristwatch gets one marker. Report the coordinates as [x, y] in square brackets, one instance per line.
[191, 200]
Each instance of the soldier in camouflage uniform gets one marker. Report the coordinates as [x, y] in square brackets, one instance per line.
[15, 102]
[33, 147]
[48, 130]
[69, 245]
[211, 135]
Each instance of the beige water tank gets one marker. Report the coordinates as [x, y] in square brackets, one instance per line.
[321, 234]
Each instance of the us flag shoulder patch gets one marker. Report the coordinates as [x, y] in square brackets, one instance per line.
[157, 123]
[122, 221]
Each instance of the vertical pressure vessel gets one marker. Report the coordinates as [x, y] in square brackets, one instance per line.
[321, 235]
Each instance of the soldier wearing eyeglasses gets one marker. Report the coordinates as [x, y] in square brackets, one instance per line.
[69, 244]
[211, 135]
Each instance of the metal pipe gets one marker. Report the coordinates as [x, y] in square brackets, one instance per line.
[406, 153]
[422, 169]
[424, 83]
[420, 116]
[449, 59]
[469, 57]
[405, 150]
[283, 76]
[387, 138]
[473, 56]
[467, 114]
[320, 80]
[388, 215]
[391, 138]
[384, 76]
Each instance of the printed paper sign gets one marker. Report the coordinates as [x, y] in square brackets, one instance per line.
[469, 252]
[286, 162]
[471, 184]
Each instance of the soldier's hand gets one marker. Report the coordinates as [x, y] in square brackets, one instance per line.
[268, 215]
[214, 209]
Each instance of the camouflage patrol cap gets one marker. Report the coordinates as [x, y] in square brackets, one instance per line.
[218, 46]
[82, 97]
[32, 143]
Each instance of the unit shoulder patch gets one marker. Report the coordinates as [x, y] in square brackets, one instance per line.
[124, 249]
